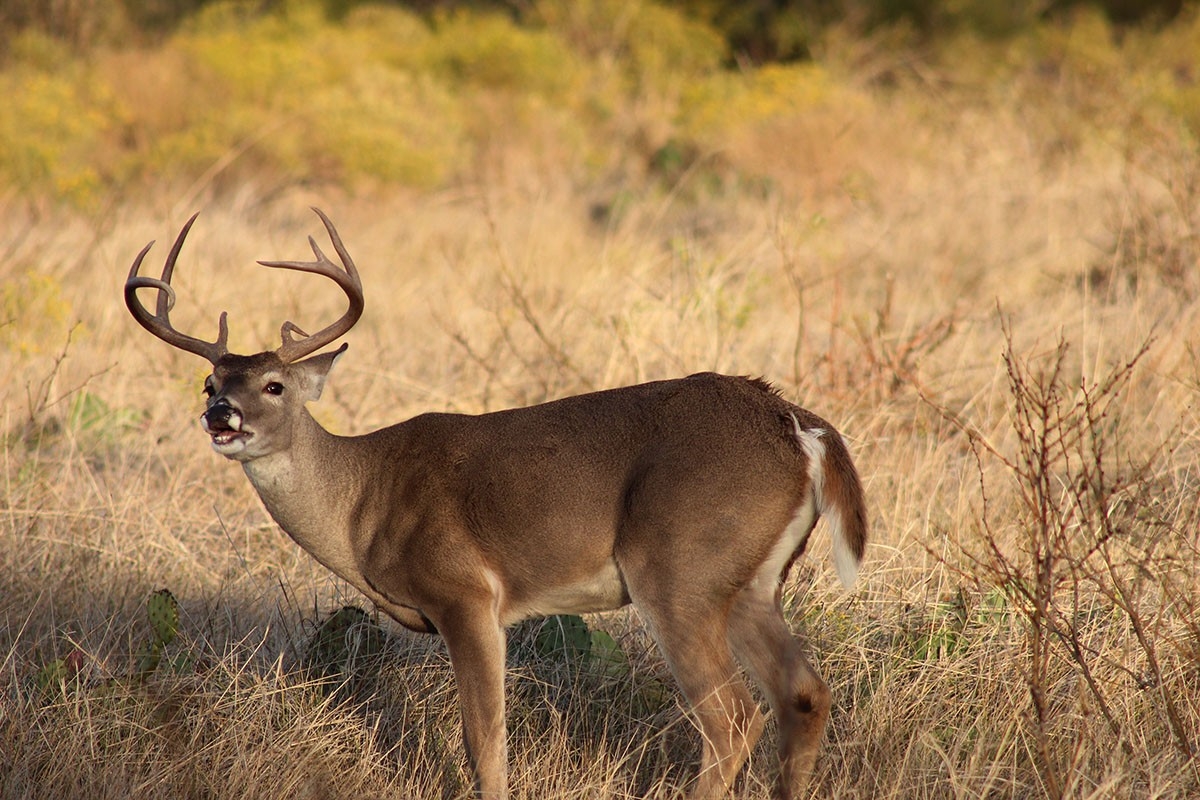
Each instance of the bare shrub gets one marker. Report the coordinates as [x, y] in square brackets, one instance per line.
[1096, 560]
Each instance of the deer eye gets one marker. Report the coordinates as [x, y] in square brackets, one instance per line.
[274, 387]
[209, 391]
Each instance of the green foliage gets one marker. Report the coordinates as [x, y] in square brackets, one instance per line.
[989, 18]
[88, 413]
[276, 71]
[1167, 66]
[33, 311]
[158, 15]
[60, 675]
[564, 636]
[764, 31]
[654, 47]
[387, 126]
[664, 47]
[162, 609]
[344, 643]
[306, 103]
[66, 675]
[368, 95]
[493, 51]
[577, 664]
[81, 24]
[56, 132]
[568, 639]
[948, 627]
[718, 108]
[759, 31]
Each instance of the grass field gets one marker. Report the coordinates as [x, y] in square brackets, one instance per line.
[986, 278]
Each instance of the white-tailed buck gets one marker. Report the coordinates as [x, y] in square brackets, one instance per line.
[689, 498]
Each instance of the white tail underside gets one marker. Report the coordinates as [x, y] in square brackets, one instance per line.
[844, 561]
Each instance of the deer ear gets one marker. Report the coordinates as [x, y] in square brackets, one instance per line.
[316, 370]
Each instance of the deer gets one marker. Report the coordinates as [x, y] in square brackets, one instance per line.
[689, 498]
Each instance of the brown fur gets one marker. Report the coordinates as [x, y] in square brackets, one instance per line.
[687, 497]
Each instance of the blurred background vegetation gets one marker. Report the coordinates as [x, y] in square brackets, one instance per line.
[759, 30]
[106, 97]
[967, 231]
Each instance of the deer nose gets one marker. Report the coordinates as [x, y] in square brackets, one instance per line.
[221, 416]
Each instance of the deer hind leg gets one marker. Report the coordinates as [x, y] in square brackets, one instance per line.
[695, 645]
[800, 700]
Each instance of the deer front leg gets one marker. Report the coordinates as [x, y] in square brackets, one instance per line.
[476, 641]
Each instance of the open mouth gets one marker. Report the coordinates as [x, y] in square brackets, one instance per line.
[226, 438]
[223, 424]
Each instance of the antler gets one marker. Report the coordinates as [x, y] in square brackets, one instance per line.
[347, 279]
[159, 322]
[291, 349]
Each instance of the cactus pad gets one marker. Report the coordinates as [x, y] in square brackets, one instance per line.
[163, 609]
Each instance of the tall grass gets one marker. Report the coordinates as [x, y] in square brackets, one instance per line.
[982, 269]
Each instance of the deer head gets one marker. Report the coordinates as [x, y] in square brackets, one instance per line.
[254, 401]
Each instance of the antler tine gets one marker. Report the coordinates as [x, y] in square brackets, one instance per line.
[292, 349]
[159, 323]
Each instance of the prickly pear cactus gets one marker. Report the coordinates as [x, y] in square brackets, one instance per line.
[564, 636]
[163, 609]
[345, 639]
[61, 674]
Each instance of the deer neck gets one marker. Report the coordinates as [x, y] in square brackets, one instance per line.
[308, 491]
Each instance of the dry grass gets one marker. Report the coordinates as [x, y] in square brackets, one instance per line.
[868, 293]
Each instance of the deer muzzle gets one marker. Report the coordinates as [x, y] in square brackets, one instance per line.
[223, 422]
